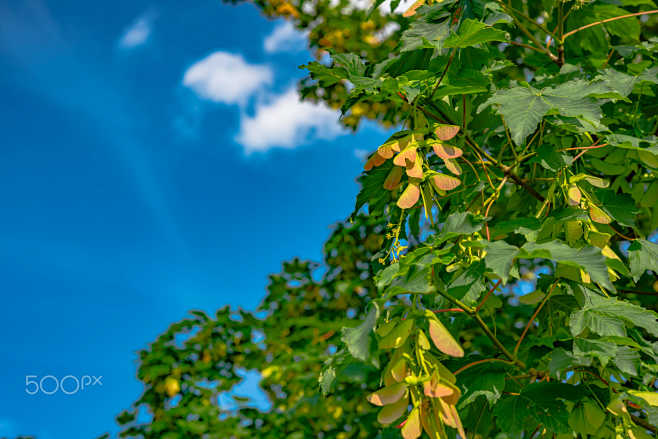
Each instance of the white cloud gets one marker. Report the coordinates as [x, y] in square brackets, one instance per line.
[285, 38]
[225, 77]
[138, 33]
[287, 122]
[361, 154]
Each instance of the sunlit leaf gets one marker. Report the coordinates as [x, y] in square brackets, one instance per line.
[393, 412]
[397, 336]
[574, 195]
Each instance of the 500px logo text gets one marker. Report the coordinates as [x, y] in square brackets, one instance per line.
[69, 384]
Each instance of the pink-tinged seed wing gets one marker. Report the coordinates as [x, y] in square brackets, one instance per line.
[387, 150]
[446, 151]
[374, 161]
[599, 216]
[387, 395]
[446, 132]
[412, 9]
[460, 427]
[445, 182]
[443, 340]
[409, 197]
[406, 155]
[393, 179]
[434, 388]
[453, 398]
[453, 166]
[415, 169]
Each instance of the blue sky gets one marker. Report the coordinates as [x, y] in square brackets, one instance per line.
[154, 160]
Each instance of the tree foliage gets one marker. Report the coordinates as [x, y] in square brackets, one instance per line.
[503, 283]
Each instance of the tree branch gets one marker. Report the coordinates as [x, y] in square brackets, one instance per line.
[607, 20]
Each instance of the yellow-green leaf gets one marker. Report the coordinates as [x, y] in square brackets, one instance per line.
[650, 397]
[574, 195]
[393, 412]
[397, 336]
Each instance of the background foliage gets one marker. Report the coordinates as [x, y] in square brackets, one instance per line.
[503, 281]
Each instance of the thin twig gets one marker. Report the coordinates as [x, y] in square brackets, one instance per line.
[641, 293]
[436, 86]
[532, 319]
[607, 20]
[584, 147]
[641, 422]
[491, 290]
[527, 46]
[475, 363]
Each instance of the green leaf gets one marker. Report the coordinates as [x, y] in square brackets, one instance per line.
[472, 32]
[589, 259]
[523, 107]
[642, 256]
[552, 159]
[489, 383]
[627, 360]
[603, 351]
[538, 403]
[372, 192]
[351, 63]
[620, 207]
[326, 379]
[424, 34]
[499, 258]
[606, 316]
[467, 285]
[586, 417]
[457, 224]
[360, 340]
